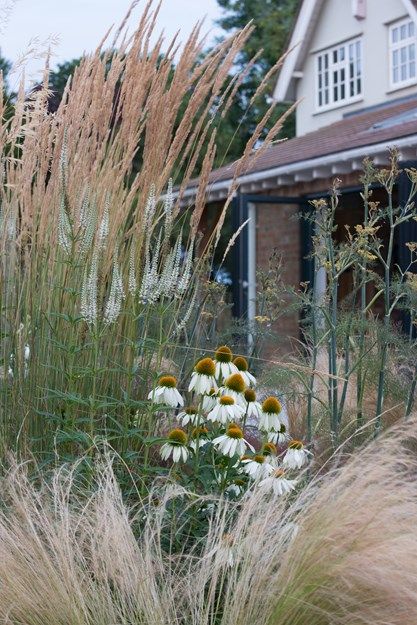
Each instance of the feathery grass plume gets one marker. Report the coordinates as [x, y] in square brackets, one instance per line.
[340, 551]
[133, 121]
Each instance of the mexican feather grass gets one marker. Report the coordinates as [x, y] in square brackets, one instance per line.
[341, 552]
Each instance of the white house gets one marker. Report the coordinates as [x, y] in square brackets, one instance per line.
[353, 67]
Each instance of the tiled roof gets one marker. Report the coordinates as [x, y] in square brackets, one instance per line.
[379, 125]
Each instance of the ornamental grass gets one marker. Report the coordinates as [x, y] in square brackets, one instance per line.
[102, 268]
[340, 551]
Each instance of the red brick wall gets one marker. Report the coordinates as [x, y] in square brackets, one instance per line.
[278, 228]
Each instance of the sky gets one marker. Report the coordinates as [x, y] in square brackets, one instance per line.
[79, 25]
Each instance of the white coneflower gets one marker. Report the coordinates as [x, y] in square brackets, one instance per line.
[242, 366]
[189, 415]
[232, 442]
[277, 483]
[176, 446]
[224, 365]
[235, 489]
[89, 292]
[253, 407]
[116, 295]
[166, 392]
[103, 231]
[202, 378]
[269, 419]
[296, 455]
[209, 400]
[235, 386]
[257, 467]
[199, 437]
[279, 437]
[225, 410]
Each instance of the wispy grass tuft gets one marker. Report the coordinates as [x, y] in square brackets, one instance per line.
[342, 551]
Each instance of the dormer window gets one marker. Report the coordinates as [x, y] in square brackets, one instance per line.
[339, 75]
[402, 43]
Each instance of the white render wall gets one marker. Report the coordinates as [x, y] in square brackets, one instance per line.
[335, 25]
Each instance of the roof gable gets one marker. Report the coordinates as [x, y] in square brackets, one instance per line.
[299, 45]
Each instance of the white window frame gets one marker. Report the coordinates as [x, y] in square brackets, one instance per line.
[339, 66]
[396, 47]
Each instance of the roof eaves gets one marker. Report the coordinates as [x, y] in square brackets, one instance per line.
[305, 24]
[299, 41]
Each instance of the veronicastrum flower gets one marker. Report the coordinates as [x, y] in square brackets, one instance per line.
[166, 392]
[296, 455]
[277, 483]
[176, 446]
[202, 379]
[224, 365]
[269, 419]
[225, 410]
[232, 442]
[242, 366]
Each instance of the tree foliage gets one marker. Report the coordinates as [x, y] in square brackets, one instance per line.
[273, 20]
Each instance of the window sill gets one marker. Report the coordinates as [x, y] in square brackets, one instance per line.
[403, 85]
[339, 105]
